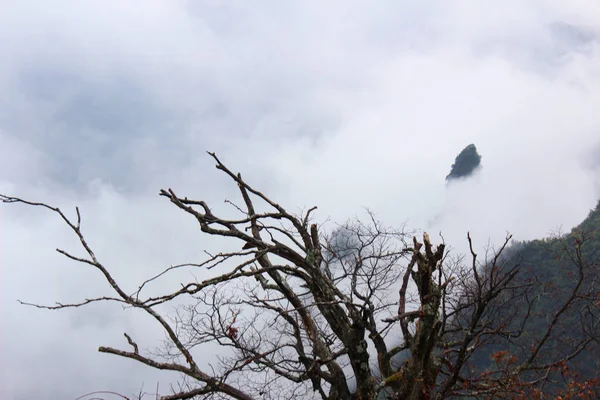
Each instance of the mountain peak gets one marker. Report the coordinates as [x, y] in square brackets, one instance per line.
[467, 161]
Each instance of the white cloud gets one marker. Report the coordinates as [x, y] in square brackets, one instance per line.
[341, 105]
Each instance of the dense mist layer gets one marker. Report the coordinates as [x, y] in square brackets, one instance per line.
[341, 105]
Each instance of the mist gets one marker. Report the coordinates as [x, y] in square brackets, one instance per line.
[340, 105]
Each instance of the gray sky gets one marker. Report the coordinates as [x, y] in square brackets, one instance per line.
[340, 104]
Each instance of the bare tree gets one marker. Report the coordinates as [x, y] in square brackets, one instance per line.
[363, 312]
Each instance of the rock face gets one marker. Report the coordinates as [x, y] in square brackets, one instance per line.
[465, 163]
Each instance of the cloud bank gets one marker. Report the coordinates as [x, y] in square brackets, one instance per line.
[343, 105]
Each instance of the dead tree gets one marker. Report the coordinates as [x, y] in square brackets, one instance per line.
[358, 313]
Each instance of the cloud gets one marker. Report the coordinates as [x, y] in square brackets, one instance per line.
[340, 105]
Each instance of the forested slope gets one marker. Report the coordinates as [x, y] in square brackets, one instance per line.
[551, 270]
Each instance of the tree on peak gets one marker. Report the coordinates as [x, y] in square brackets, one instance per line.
[467, 161]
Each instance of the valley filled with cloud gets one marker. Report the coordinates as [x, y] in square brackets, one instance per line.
[345, 105]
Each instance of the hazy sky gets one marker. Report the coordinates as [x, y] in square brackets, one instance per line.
[340, 104]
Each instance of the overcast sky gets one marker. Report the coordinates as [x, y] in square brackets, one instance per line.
[340, 104]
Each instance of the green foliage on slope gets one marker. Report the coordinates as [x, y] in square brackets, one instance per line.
[554, 268]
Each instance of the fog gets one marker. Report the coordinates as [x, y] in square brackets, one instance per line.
[344, 105]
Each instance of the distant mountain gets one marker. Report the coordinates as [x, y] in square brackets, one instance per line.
[467, 161]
